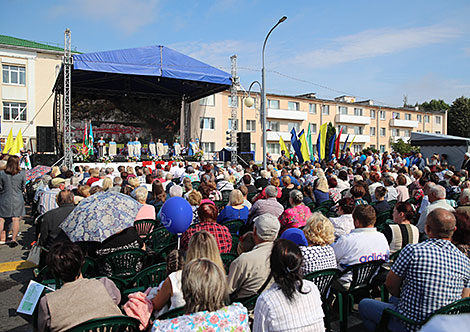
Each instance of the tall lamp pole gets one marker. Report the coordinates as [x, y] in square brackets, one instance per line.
[263, 92]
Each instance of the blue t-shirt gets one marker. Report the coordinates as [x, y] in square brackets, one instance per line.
[229, 213]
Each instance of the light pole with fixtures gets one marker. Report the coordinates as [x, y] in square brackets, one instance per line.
[263, 92]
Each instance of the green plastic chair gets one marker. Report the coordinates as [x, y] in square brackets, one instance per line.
[250, 196]
[362, 275]
[196, 184]
[234, 225]
[125, 264]
[220, 204]
[311, 206]
[145, 227]
[454, 308]
[149, 277]
[235, 241]
[108, 324]
[227, 259]
[382, 218]
[249, 303]
[323, 280]
[392, 203]
[159, 238]
[173, 313]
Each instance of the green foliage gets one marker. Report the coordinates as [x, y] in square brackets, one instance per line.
[401, 147]
[458, 118]
[366, 150]
[434, 105]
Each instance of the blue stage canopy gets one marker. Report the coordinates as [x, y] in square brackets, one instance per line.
[153, 71]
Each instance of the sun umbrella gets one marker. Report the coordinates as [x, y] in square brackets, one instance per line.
[37, 172]
[99, 216]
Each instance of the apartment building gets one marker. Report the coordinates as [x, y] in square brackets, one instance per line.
[29, 70]
[371, 125]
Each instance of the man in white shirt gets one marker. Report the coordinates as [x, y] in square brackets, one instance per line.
[437, 199]
[362, 245]
[392, 193]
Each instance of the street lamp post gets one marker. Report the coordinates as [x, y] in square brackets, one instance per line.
[263, 92]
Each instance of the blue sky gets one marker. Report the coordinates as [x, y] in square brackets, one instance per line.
[380, 50]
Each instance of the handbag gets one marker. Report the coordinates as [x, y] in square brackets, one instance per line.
[34, 254]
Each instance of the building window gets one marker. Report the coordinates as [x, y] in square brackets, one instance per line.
[358, 111]
[233, 124]
[382, 131]
[419, 131]
[395, 132]
[358, 130]
[396, 115]
[250, 125]
[372, 146]
[325, 109]
[438, 132]
[345, 129]
[14, 75]
[407, 133]
[438, 120]
[274, 148]
[273, 104]
[295, 125]
[426, 119]
[419, 118]
[407, 116]
[14, 111]
[313, 128]
[207, 123]
[272, 125]
[426, 131]
[382, 148]
[372, 114]
[382, 115]
[342, 110]
[252, 146]
[230, 101]
[357, 148]
[312, 108]
[208, 147]
[293, 106]
[372, 131]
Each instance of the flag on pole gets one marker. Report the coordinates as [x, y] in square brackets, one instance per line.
[85, 140]
[309, 142]
[337, 142]
[331, 146]
[350, 144]
[9, 142]
[90, 141]
[17, 144]
[304, 146]
[296, 145]
[323, 132]
[283, 146]
[345, 142]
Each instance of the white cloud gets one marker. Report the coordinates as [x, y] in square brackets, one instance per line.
[128, 16]
[372, 43]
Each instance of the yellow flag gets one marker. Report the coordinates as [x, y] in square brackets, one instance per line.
[9, 142]
[323, 131]
[350, 144]
[283, 146]
[304, 146]
[17, 144]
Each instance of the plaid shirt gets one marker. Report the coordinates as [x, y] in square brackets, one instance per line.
[434, 274]
[221, 233]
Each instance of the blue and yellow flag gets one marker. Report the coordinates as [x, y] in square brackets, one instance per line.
[323, 132]
[283, 146]
[304, 146]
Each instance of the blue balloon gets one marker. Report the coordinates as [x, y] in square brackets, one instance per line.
[176, 215]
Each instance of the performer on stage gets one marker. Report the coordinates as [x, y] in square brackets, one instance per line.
[165, 147]
[193, 148]
[137, 148]
[160, 148]
[112, 149]
[101, 147]
[177, 148]
[152, 148]
[130, 148]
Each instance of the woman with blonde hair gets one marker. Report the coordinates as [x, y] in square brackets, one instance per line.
[201, 245]
[235, 210]
[107, 183]
[147, 211]
[194, 199]
[319, 254]
[55, 171]
[321, 191]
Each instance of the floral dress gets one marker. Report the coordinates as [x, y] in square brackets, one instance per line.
[233, 318]
[295, 217]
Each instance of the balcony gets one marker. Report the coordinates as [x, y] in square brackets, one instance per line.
[403, 123]
[345, 118]
[286, 114]
[274, 136]
[359, 138]
[395, 139]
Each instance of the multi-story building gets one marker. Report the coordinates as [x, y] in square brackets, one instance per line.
[370, 125]
[29, 70]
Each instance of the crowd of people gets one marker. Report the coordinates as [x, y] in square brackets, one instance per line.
[297, 219]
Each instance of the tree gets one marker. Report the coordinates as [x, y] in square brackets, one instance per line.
[458, 118]
[434, 105]
[401, 147]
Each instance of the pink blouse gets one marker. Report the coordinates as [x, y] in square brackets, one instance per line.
[295, 217]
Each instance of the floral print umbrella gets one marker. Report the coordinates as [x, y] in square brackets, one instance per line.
[37, 172]
[99, 216]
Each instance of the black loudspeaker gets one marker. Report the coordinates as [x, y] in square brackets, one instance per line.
[247, 157]
[243, 142]
[45, 139]
[44, 159]
[225, 155]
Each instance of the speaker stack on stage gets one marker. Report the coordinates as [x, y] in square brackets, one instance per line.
[244, 147]
[45, 139]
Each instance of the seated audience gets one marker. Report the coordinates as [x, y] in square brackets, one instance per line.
[297, 215]
[235, 210]
[147, 211]
[381, 204]
[402, 190]
[461, 236]
[357, 191]
[402, 232]
[344, 223]
[437, 199]
[268, 205]
[321, 192]
[291, 303]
